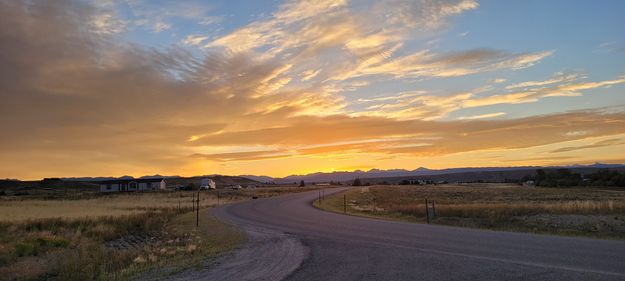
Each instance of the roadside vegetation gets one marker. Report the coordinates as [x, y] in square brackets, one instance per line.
[567, 178]
[113, 236]
[565, 211]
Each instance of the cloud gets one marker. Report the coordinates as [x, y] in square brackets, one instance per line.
[77, 99]
[107, 22]
[482, 116]
[428, 64]
[558, 78]
[160, 26]
[102, 100]
[194, 40]
[603, 143]
[535, 94]
[417, 138]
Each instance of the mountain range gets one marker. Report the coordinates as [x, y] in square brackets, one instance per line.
[341, 176]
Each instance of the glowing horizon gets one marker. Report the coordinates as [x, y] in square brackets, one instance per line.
[112, 88]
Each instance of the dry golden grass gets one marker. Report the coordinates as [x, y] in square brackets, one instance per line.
[72, 238]
[577, 211]
[110, 205]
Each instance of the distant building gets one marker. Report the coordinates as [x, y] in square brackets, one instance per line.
[414, 182]
[127, 185]
[529, 183]
[207, 184]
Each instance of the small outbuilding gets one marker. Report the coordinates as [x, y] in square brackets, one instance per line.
[128, 185]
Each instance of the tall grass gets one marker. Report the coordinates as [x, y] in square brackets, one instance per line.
[102, 206]
[581, 211]
[490, 210]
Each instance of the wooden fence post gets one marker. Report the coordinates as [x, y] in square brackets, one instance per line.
[374, 205]
[427, 211]
[197, 212]
[344, 203]
[319, 197]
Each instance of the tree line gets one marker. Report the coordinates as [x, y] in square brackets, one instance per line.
[566, 177]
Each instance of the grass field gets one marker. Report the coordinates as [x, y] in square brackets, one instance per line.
[113, 236]
[566, 211]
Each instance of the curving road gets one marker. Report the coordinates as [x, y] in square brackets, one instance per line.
[343, 247]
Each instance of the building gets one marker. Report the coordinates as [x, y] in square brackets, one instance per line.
[208, 184]
[127, 185]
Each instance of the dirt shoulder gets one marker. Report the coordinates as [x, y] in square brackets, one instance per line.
[266, 255]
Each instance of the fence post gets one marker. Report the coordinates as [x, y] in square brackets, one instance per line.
[193, 202]
[427, 211]
[434, 209]
[344, 203]
[217, 196]
[197, 210]
[319, 197]
[374, 205]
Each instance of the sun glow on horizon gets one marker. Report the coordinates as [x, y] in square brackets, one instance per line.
[91, 88]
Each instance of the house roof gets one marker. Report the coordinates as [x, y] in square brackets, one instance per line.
[132, 180]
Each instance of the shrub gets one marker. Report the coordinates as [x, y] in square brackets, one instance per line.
[26, 249]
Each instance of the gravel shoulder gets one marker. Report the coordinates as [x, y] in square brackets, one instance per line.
[267, 255]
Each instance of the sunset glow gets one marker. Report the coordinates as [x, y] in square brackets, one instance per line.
[112, 88]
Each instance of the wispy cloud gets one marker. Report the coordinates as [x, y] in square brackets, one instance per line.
[558, 78]
[482, 116]
[603, 143]
[194, 40]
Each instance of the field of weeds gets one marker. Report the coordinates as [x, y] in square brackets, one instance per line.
[113, 236]
[567, 211]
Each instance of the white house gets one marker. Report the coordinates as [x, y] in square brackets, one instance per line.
[126, 185]
[207, 184]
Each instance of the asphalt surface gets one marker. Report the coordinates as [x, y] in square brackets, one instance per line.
[341, 247]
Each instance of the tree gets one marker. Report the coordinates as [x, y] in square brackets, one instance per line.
[302, 184]
[357, 182]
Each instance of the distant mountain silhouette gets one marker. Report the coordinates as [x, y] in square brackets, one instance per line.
[400, 173]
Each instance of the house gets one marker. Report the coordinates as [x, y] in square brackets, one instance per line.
[126, 185]
[207, 184]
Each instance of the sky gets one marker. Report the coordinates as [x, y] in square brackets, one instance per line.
[138, 87]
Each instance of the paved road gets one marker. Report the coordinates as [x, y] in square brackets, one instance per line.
[343, 247]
